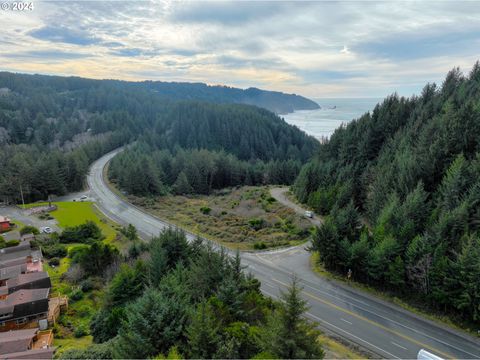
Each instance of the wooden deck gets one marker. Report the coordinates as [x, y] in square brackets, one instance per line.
[44, 340]
[55, 307]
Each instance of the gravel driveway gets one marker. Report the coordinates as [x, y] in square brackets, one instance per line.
[280, 194]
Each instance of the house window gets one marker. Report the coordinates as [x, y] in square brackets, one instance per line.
[2, 323]
[21, 321]
[4, 316]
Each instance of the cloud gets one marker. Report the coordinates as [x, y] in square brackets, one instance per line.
[311, 48]
[64, 35]
[416, 46]
[127, 52]
[45, 55]
[230, 13]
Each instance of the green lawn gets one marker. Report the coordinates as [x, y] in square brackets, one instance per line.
[76, 213]
[71, 343]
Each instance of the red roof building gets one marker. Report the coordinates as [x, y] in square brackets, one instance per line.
[5, 224]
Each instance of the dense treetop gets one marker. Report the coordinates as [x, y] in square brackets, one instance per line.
[185, 300]
[401, 190]
[52, 127]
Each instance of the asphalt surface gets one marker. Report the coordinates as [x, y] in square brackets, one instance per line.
[17, 213]
[384, 329]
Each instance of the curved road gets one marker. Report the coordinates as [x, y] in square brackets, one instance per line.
[385, 330]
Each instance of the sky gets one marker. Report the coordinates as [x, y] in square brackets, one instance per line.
[316, 49]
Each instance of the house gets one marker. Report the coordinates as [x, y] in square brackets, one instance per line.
[23, 245]
[8, 272]
[33, 354]
[26, 344]
[33, 280]
[5, 224]
[21, 254]
[23, 309]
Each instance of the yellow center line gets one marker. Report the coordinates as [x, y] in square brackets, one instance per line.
[405, 337]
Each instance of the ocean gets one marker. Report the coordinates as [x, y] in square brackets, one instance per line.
[334, 112]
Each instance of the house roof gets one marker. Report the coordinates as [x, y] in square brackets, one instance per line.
[21, 297]
[13, 263]
[4, 219]
[16, 341]
[13, 255]
[17, 248]
[23, 279]
[13, 271]
[31, 354]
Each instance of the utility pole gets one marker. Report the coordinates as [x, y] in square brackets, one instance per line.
[21, 194]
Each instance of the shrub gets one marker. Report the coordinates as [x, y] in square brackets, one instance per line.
[29, 230]
[76, 295]
[45, 216]
[84, 311]
[136, 249]
[54, 250]
[80, 331]
[11, 243]
[271, 200]
[84, 233]
[93, 351]
[94, 259]
[87, 285]
[259, 245]
[205, 210]
[54, 261]
[256, 224]
[75, 250]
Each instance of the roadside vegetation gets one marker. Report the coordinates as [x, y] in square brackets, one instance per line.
[185, 300]
[105, 279]
[399, 189]
[245, 218]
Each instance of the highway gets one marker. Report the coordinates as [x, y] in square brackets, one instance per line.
[384, 329]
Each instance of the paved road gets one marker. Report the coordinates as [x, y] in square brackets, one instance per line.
[384, 329]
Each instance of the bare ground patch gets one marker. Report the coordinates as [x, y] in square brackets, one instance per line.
[244, 218]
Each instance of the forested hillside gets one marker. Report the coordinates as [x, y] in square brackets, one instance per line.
[52, 127]
[400, 189]
[275, 101]
[198, 147]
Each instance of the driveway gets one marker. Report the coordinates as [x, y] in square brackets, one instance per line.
[280, 194]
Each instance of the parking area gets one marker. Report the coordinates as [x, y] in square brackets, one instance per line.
[28, 217]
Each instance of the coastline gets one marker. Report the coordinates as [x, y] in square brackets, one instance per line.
[333, 112]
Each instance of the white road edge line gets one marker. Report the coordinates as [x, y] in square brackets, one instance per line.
[400, 346]
[348, 322]
[350, 334]
[336, 327]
